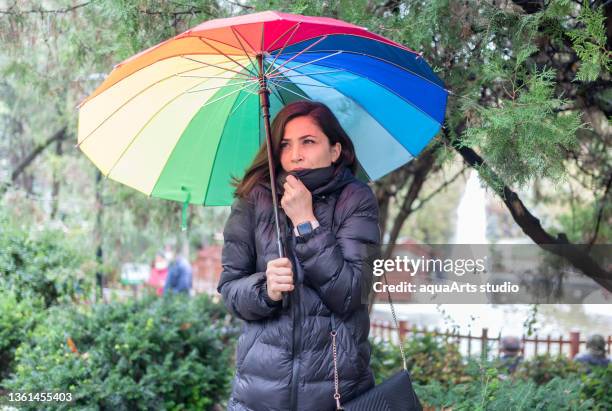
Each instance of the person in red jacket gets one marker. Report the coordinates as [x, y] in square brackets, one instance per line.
[159, 272]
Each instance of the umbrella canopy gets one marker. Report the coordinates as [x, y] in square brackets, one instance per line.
[177, 120]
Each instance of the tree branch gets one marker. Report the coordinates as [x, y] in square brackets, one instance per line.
[40, 10]
[58, 135]
[243, 6]
[602, 205]
[423, 165]
[437, 190]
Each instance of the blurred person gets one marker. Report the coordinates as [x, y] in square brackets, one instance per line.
[159, 272]
[596, 352]
[510, 348]
[179, 279]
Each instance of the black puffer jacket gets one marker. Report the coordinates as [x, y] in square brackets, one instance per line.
[284, 356]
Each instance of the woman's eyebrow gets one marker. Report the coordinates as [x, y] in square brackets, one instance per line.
[301, 138]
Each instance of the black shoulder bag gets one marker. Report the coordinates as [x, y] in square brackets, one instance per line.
[394, 394]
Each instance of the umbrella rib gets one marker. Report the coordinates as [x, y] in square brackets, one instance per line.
[136, 95]
[238, 34]
[356, 102]
[151, 119]
[227, 56]
[390, 91]
[214, 65]
[167, 159]
[286, 31]
[226, 95]
[212, 168]
[311, 74]
[89, 98]
[270, 74]
[275, 89]
[222, 86]
[263, 28]
[220, 42]
[242, 46]
[303, 84]
[392, 44]
[297, 26]
[243, 100]
[390, 63]
[278, 94]
[218, 77]
[277, 73]
[291, 91]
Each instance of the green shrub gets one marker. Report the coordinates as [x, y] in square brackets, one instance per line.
[442, 379]
[596, 386]
[170, 353]
[17, 320]
[493, 394]
[42, 263]
[544, 368]
[429, 358]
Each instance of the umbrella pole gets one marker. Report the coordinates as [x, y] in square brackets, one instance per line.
[265, 108]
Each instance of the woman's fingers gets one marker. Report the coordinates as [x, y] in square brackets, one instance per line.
[282, 287]
[294, 182]
[291, 181]
[281, 270]
[279, 276]
[283, 279]
[279, 262]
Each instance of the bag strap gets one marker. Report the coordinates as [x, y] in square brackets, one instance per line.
[334, 332]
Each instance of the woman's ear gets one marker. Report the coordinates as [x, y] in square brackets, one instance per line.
[336, 150]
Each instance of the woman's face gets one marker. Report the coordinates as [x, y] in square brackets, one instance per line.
[304, 145]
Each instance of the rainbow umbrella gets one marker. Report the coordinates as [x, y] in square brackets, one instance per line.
[177, 120]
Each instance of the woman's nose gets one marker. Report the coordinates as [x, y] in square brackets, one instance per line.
[296, 154]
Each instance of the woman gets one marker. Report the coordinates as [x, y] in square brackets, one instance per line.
[329, 220]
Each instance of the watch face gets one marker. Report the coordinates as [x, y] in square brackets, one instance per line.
[304, 228]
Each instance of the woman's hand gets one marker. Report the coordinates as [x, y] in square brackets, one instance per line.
[279, 278]
[297, 201]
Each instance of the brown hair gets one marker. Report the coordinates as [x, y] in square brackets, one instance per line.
[325, 119]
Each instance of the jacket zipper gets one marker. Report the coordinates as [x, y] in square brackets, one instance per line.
[297, 329]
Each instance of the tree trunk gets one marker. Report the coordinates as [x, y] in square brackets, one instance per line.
[98, 238]
[56, 182]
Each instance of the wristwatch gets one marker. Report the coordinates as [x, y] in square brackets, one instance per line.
[305, 228]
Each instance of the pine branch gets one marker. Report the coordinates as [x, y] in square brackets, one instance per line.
[40, 10]
[16, 12]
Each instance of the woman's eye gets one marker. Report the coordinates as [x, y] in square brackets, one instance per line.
[283, 145]
[308, 141]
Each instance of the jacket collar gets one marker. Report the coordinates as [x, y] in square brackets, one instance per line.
[341, 178]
